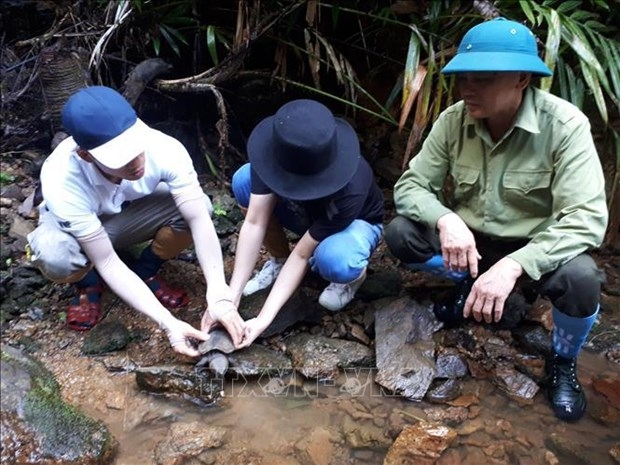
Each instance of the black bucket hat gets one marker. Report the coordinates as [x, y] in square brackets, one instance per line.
[303, 152]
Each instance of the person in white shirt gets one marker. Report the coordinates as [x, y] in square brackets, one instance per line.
[117, 182]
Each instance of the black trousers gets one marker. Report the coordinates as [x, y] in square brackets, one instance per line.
[574, 288]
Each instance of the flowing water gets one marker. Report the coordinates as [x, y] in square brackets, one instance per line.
[268, 419]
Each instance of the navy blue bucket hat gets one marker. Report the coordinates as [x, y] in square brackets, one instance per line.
[498, 45]
[102, 122]
[303, 152]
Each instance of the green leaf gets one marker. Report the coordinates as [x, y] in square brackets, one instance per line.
[411, 65]
[614, 71]
[527, 10]
[164, 32]
[581, 16]
[591, 79]
[563, 80]
[581, 47]
[212, 44]
[156, 45]
[175, 32]
[552, 45]
[576, 87]
[567, 6]
[601, 4]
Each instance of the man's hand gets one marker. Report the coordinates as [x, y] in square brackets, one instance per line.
[180, 334]
[253, 328]
[458, 245]
[224, 313]
[490, 291]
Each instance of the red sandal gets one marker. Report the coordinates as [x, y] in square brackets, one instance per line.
[169, 297]
[85, 314]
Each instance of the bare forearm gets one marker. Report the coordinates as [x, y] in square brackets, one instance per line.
[248, 246]
[287, 282]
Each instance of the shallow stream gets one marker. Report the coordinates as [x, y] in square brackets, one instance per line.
[275, 421]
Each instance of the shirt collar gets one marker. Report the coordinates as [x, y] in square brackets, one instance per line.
[526, 116]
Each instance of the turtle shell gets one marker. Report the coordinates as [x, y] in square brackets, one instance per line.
[219, 340]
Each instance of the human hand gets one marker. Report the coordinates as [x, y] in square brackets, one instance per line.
[458, 245]
[224, 313]
[490, 291]
[180, 334]
[253, 328]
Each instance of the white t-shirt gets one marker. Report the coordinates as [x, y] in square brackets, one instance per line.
[76, 193]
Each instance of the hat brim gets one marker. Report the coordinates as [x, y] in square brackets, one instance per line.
[120, 150]
[299, 187]
[496, 61]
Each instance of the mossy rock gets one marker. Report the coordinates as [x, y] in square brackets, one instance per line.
[33, 409]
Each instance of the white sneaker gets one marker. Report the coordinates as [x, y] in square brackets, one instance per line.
[335, 296]
[265, 277]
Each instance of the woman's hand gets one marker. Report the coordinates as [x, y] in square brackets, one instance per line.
[224, 313]
[254, 327]
[180, 335]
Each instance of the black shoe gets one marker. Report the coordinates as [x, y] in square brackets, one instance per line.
[566, 395]
[450, 311]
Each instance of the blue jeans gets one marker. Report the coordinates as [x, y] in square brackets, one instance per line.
[339, 258]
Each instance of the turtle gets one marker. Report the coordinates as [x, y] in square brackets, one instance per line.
[214, 351]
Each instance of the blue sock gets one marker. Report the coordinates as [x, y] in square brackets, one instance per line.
[435, 266]
[148, 264]
[569, 332]
[90, 280]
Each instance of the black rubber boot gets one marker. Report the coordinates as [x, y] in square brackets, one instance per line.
[565, 393]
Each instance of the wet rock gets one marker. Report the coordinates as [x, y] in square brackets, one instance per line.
[12, 191]
[179, 381]
[450, 416]
[384, 283]
[572, 450]
[551, 459]
[541, 313]
[107, 336]
[235, 457]
[23, 284]
[258, 360]
[187, 442]
[404, 347]
[357, 333]
[470, 427]
[516, 385]
[608, 387]
[603, 411]
[421, 444]
[302, 306]
[534, 339]
[497, 349]
[450, 365]
[531, 365]
[223, 225]
[20, 228]
[444, 391]
[364, 435]
[316, 448]
[38, 426]
[322, 357]
[466, 400]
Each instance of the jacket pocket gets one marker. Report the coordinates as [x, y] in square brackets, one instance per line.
[466, 183]
[528, 191]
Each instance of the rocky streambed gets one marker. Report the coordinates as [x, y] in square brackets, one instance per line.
[381, 382]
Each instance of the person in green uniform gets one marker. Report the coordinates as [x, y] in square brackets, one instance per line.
[527, 204]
